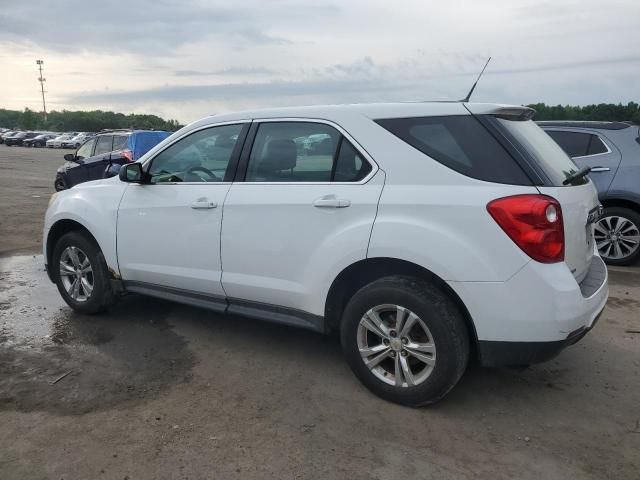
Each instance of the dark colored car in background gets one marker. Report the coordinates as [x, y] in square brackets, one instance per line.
[39, 140]
[19, 137]
[612, 150]
[103, 155]
[7, 134]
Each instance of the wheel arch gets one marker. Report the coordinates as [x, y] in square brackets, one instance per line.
[365, 271]
[60, 228]
[621, 202]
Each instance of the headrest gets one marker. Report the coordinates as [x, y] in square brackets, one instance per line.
[281, 155]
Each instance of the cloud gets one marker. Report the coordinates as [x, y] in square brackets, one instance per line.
[229, 71]
[154, 27]
[187, 58]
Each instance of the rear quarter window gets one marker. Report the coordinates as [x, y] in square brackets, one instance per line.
[461, 143]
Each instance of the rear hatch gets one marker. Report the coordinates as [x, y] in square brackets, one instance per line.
[578, 199]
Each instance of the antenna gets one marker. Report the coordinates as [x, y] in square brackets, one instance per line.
[466, 99]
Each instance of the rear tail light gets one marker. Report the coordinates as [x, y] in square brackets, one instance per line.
[128, 154]
[534, 223]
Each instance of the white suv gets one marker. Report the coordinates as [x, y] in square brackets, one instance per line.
[426, 234]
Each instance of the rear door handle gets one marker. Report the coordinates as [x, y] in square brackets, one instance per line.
[331, 202]
[203, 204]
[600, 169]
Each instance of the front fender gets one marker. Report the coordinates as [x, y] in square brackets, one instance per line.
[94, 205]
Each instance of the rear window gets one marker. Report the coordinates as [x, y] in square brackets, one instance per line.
[547, 154]
[461, 143]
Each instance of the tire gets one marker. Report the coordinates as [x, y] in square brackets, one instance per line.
[59, 184]
[614, 248]
[446, 330]
[101, 295]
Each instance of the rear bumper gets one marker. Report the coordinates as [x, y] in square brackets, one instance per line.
[540, 310]
[503, 354]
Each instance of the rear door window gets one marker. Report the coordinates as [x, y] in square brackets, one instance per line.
[461, 143]
[304, 152]
[104, 145]
[293, 152]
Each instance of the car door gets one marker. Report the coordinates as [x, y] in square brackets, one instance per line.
[590, 149]
[98, 163]
[303, 210]
[169, 227]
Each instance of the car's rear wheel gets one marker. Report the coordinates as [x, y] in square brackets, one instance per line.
[617, 236]
[81, 274]
[405, 339]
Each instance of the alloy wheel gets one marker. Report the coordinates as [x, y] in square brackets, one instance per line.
[396, 345]
[616, 237]
[76, 274]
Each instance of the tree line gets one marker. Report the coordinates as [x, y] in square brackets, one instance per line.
[96, 120]
[603, 112]
[82, 121]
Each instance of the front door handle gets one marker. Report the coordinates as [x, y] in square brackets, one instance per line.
[331, 202]
[600, 169]
[203, 204]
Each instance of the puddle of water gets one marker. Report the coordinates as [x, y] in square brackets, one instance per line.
[28, 300]
[126, 354]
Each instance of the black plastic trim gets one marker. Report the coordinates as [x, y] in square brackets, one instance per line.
[211, 302]
[510, 354]
[241, 170]
[275, 314]
[230, 172]
[217, 303]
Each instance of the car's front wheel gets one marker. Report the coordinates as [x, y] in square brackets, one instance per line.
[81, 274]
[617, 236]
[59, 184]
[405, 339]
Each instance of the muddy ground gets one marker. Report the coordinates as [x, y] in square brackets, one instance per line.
[158, 390]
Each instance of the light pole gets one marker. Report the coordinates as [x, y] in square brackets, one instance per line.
[41, 79]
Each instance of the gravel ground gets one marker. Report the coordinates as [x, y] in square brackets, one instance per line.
[158, 390]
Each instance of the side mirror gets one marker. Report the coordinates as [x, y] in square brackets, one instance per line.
[70, 157]
[131, 173]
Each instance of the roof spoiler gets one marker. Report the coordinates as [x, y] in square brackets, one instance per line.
[515, 113]
[507, 112]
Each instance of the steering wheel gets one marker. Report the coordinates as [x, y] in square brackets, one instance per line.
[206, 171]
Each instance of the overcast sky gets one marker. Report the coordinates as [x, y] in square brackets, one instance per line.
[191, 58]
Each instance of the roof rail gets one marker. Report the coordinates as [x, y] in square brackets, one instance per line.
[584, 124]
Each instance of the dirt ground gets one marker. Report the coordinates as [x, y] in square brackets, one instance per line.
[154, 390]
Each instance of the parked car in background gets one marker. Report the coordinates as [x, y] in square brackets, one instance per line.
[612, 150]
[57, 142]
[427, 234]
[7, 134]
[39, 141]
[78, 140]
[19, 138]
[102, 155]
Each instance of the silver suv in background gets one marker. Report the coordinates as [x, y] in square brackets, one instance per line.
[612, 150]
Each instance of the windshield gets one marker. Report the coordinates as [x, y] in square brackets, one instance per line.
[545, 151]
